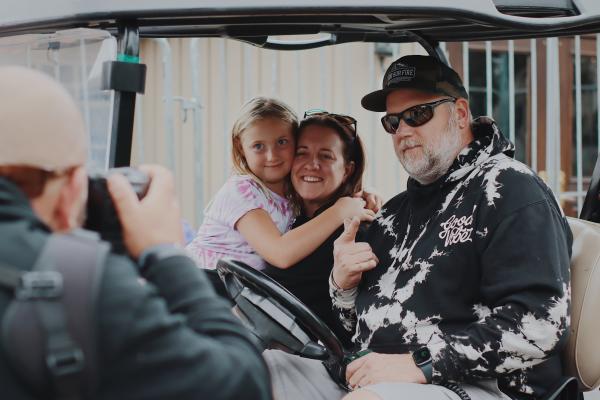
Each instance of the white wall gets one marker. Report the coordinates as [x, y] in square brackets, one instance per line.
[229, 73]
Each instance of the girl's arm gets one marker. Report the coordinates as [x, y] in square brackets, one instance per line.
[285, 250]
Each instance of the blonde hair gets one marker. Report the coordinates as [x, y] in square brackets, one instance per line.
[254, 110]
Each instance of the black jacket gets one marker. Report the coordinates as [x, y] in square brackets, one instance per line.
[476, 267]
[308, 280]
[163, 336]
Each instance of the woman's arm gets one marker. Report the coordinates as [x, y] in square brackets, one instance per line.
[285, 250]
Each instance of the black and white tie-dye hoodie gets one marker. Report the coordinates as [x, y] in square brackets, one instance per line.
[476, 267]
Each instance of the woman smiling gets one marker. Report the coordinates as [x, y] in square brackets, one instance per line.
[329, 164]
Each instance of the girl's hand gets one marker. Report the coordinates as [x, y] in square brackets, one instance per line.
[373, 199]
[349, 207]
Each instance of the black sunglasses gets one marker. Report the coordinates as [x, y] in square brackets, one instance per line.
[415, 116]
[341, 118]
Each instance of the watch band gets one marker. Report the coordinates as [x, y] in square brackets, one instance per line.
[427, 369]
[422, 359]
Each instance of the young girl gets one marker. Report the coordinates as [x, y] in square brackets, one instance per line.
[249, 218]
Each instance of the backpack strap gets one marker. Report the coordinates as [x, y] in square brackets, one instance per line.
[49, 328]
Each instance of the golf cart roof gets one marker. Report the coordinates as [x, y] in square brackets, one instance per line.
[345, 20]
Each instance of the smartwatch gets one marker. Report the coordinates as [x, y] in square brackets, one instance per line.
[422, 358]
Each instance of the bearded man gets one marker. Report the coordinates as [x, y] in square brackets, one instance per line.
[472, 280]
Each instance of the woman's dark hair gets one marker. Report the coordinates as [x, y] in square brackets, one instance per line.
[353, 150]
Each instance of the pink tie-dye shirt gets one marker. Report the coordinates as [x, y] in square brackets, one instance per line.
[218, 237]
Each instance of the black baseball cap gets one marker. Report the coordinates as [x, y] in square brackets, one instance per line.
[425, 73]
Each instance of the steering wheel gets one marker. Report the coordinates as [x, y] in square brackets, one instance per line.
[278, 319]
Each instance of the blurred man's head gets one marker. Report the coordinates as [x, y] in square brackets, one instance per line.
[427, 114]
[44, 146]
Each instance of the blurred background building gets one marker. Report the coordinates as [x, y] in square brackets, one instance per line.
[543, 94]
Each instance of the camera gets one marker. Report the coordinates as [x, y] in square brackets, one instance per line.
[101, 213]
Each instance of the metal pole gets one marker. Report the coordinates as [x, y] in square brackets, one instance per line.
[598, 89]
[124, 102]
[578, 123]
[444, 49]
[465, 57]
[225, 107]
[552, 114]
[86, 96]
[139, 132]
[511, 90]
[372, 120]
[488, 79]
[534, 105]
[169, 122]
[55, 61]
[198, 133]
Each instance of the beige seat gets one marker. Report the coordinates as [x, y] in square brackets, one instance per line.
[582, 353]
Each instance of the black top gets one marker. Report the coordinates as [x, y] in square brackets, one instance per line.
[476, 267]
[309, 280]
[161, 336]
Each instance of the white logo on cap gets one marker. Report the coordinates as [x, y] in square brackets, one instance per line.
[400, 73]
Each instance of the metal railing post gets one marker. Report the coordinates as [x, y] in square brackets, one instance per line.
[488, 79]
[169, 123]
[578, 124]
[198, 133]
[534, 105]
[552, 115]
[511, 90]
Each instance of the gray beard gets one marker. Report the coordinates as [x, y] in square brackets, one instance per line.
[437, 161]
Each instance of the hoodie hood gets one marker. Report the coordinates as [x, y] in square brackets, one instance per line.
[488, 142]
[488, 145]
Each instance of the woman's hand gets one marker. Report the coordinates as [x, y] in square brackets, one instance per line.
[349, 207]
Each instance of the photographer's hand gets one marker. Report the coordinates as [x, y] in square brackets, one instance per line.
[153, 220]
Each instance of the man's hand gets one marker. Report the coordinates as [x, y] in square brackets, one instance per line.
[351, 259]
[376, 368]
[153, 220]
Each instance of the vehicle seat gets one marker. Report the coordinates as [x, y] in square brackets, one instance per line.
[581, 355]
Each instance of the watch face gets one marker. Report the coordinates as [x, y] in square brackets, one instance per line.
[421, 356]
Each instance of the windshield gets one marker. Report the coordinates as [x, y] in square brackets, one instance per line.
[75, 58]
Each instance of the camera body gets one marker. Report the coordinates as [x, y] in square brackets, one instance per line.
[101, 213]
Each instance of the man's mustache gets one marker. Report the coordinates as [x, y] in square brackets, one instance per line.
[408, 143]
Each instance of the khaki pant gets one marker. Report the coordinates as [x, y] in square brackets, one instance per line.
[297, 378]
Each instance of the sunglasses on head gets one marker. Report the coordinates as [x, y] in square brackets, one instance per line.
[343, 119]
[415, 116]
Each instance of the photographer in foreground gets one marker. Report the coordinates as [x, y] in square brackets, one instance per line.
[159, 331]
